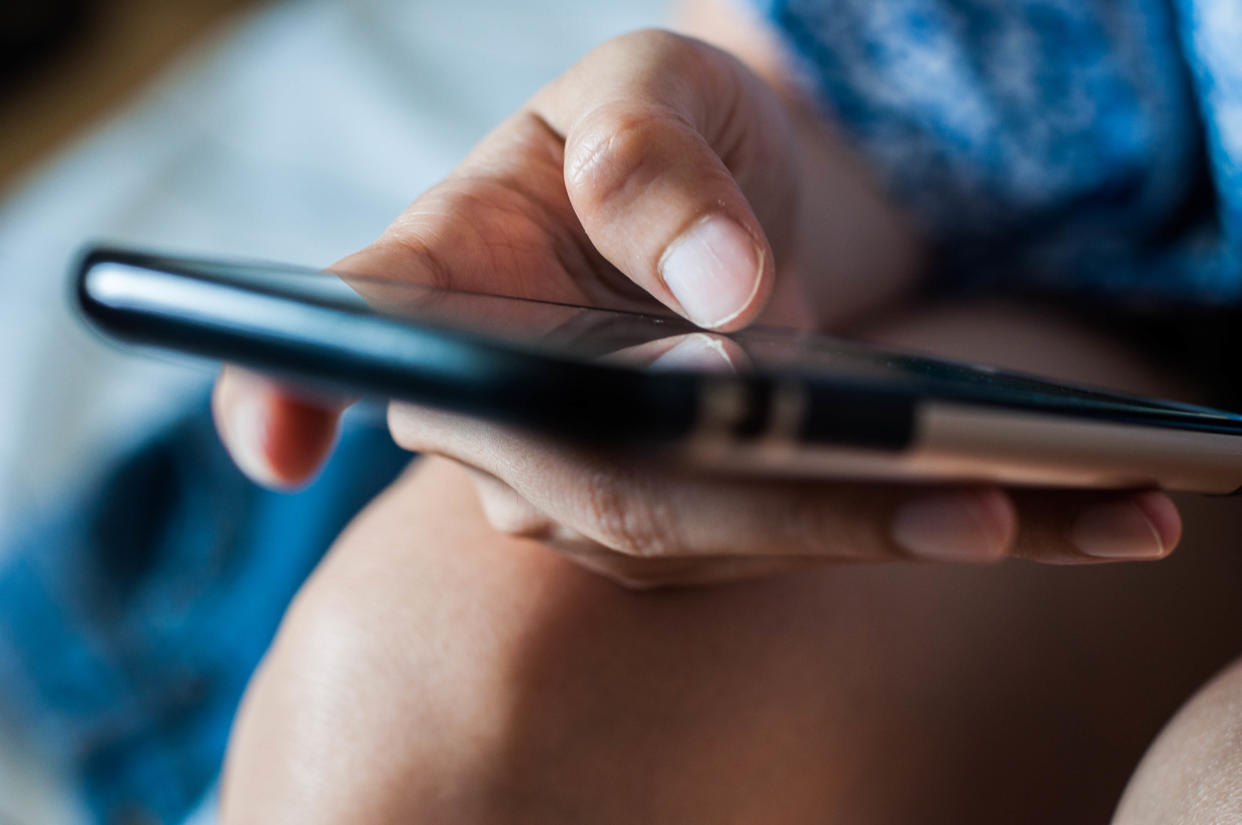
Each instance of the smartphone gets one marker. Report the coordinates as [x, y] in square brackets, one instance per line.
[763, 401]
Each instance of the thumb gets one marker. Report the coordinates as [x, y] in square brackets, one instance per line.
[676, 158]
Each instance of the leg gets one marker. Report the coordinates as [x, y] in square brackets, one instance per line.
[483, 679]
[1193, 773]
[433, 671]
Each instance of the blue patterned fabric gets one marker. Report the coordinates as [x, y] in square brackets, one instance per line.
[132, 618]
[1091, 147]
[1083, 146]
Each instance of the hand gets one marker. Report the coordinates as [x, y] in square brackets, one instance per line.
[661, 171]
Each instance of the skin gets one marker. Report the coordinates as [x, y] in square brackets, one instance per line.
[591, 194]
[435, 670]
[1193, 773]
[451, 661]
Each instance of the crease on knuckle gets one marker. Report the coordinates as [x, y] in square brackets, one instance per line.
[623, 516]
[813, 527]
[435, 271]
[612, 149]
[807, 531]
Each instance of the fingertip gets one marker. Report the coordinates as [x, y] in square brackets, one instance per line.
[718, 273]
[300, 437]
[1164, 517]
[1137, 527]
[277, 439]
[239, 410]
[957, 525]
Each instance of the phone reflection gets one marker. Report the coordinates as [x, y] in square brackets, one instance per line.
[660, 342]
[692, 351]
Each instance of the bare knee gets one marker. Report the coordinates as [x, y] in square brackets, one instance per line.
[1193, 771]
[349, 718]
[442, 673]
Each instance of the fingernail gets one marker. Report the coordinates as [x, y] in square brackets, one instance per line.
[713, 270]
[696, 352]
[247, 424]
[971, 526]
[1117, 530]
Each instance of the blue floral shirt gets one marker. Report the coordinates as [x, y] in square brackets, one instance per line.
[1088, 146]
[1085, 145]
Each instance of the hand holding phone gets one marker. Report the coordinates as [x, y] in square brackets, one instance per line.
[647, 519]
[660, 171]
[655, 451]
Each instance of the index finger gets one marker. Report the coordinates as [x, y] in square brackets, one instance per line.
[644, 507]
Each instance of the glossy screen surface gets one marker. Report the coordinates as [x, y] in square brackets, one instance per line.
[657, 341]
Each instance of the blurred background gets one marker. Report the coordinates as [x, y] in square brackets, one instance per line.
[141, 576]
[291, 131]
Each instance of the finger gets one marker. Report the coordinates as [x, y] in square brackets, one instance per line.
[501, 224]
[1062, 526]
[658, 158]
[509, 513]
[275, 436]
[1059, 527]
[670, 145]
[1055, 526]
[639, 508]
[691, 147]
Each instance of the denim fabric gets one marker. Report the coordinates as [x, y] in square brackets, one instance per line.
[1082, 146]
[131, 619]
[1087, 147]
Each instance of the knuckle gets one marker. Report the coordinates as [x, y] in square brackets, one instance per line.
[511, 515]
[807, 531]
[653, 48]
[518, 524]
[614, 149]
[623, 517]
[816, 527]
[651, 35]
[408, 235]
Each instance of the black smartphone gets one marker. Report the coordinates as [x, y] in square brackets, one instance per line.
[765, 400]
